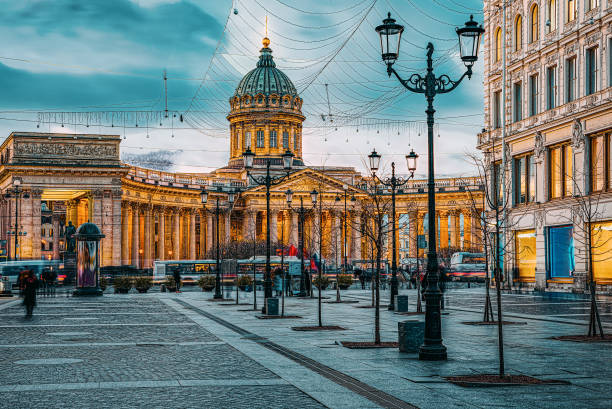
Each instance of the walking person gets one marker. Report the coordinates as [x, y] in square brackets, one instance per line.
[177, 280]
[30, 285]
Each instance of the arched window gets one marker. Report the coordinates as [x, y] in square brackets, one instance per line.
[571, 10]
[498, 44]
[534, 34]
[552, 15]
[518, 33]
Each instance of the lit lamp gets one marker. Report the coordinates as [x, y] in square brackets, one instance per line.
[374, 158]
[287, 160]
[411, 161]
[289, 196]
[88, 237]
[248, 157]
[313, 196]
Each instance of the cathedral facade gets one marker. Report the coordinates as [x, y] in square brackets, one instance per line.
[51, 179]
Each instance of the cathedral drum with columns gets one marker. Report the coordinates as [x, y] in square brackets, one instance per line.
[147, 215]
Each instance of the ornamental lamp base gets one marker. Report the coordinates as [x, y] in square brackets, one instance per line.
[432, 353]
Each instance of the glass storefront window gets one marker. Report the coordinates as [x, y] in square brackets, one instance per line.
[601, 244]
[560, 251]
[525, 243]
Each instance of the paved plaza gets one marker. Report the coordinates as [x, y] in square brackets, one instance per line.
[184, 351]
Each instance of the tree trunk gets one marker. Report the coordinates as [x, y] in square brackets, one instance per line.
[377, 309]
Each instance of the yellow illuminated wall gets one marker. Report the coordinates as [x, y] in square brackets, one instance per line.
[526, 255]
[601, 244]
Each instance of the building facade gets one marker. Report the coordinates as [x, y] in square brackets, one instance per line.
[554, 114]
[149, 215]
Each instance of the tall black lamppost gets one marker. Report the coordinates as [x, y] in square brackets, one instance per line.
[267, 181]
[469, 41]
[344, 221]
[16, 191]
[394, 183]
[204, 198]
[302, 212]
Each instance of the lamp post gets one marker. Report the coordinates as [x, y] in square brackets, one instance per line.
[204, 198]
[302, 212]
[394, 183]
[268, 180]
[469, 41]
[344, 221]
[16, 191]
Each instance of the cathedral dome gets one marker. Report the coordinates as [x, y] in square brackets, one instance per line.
[265, 79]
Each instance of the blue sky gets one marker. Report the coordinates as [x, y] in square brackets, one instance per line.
[109, 55]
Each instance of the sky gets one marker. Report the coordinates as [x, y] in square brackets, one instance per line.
[104, 59]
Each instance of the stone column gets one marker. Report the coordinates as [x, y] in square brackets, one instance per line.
[337, 238]
[125, 243]
[56, 234]
[467, 230]
[455, 234]
[192, 236]
[294, 232]
[117, 227]
[540, 271]
[273, 226]
[245, 226]
[161, 234]
[135, 236]
[227, 221]
[356, 239]
[175, 235]
[209, 231]
[202, 234]
[444, 230]
[35, 223]
[148, 238]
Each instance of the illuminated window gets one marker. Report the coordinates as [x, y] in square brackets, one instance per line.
[498, 44]
[525, 242]
[534, 33]
[518, 33]
[561, 171]
[571, 10]
[600, 147]
[601, 248]
[524, 179]
[591, 4]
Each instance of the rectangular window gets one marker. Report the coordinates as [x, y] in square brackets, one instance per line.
[524, 179]
[561, 171]
[526, 255]
[610, 62]
[570, 79]
[247, 139]
[592, 71]
[591, 4]
[533, 95]
[496, 183]
[497, 121]
[598, 163]
[50, 245]
[296, 140]
[260, 139]
[571, 10]
[560, 251]
[517, 107]
[273, 141]
[551, 87]
[285, 140]
[601, 247]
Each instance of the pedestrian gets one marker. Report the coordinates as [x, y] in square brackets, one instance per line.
[361, 279]
[177, 280]
[30, 284]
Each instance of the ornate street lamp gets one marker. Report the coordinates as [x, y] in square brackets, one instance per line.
[345, 261]
[394, 183]
[469, 39]
[267, 180]
[204, 198]
[374, 158]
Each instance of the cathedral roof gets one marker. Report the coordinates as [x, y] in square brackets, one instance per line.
[265, 79]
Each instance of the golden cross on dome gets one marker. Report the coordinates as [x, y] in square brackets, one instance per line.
[266, 40]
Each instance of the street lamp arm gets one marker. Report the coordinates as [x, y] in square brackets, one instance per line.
[444, 84]
[394, 182]
[415, 83]
[264, 180]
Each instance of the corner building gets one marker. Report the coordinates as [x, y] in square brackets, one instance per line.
[557, 118]
[149, 215]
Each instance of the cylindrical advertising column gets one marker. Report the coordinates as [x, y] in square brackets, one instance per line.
[88, 260]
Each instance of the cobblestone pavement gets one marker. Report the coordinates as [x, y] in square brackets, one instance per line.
[183, 351]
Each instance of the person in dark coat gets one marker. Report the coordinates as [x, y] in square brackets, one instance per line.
[177, 280]
[30, 285]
